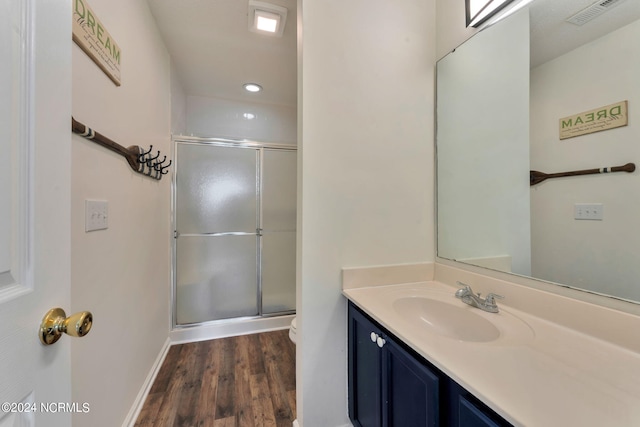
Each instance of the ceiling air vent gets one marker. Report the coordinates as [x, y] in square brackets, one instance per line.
[593, 11]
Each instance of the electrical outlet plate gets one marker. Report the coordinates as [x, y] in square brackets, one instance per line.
[588, 211]
[96, 215]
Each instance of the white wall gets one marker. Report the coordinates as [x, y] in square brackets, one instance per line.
[365, 171]
[120, 274]
[565, 250]
[483, 120]
[451, 26]
[178, 103]
[222, 118]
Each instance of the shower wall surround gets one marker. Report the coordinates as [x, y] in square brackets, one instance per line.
[240, 120]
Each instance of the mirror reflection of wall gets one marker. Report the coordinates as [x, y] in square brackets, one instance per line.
[483, 149]
[572, 69]
[596, 255]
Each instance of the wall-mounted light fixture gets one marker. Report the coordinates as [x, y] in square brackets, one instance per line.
[266, 18]
[478, 11]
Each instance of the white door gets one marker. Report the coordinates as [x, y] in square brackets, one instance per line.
[35, 117]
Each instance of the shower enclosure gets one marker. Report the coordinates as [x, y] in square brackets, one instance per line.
[235, 230]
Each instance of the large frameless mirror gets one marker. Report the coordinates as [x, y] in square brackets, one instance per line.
[500, 100]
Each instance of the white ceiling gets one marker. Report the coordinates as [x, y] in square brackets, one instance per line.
[551, 36]
[214, 53]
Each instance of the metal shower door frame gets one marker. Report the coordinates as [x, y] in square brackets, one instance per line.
[229, 143]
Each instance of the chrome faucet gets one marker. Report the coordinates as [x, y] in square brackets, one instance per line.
[468, 297]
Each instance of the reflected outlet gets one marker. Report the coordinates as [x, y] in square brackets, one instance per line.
[589, 211]
[96, 213]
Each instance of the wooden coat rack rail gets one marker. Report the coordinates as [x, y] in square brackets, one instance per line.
[140, 160]
[536, 177]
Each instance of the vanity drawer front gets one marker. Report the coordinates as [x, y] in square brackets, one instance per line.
[472, 414]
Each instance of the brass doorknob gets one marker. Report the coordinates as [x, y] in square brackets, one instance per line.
[56, 322]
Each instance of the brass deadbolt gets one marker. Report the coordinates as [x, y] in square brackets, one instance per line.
[56, 322]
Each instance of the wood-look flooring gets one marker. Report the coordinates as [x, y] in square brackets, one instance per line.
[243, 381]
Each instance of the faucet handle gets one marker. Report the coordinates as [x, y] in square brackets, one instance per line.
[463, 285]
[466, 289]
[491, 298]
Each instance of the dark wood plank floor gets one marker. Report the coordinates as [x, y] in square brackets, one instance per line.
[243, 381]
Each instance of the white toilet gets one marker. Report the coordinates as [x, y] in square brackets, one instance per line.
[292, 330]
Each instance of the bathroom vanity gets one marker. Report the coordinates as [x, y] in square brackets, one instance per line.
[563, 349]
[391, 385]
[419, 356]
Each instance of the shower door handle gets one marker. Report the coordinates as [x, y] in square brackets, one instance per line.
[259, 231]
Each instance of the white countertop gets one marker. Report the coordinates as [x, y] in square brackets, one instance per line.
[541, 375]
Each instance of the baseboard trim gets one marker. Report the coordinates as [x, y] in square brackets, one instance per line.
[132, 416]
[225, 329]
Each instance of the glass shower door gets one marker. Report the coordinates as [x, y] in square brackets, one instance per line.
[217, 224]
[279, 175]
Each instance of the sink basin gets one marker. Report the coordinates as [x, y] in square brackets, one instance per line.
[431, 314]
[463, 323]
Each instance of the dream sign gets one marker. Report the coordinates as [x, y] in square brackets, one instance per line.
[603, 118]
[89, 33]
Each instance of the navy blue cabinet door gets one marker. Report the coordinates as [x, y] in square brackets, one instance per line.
[474, 416]
[467, 411]
[365, 376]
[388, 386]
[413, 390]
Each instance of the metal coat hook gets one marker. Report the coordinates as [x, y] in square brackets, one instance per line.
[153, 158]
[154, 167]
[159, 164]
[164, 169]
[144, 153]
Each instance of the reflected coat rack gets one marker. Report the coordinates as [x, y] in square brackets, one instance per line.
[536, 177]
[141, 161]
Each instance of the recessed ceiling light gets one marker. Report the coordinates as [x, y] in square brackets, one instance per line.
[252, 87]
[266, 18]
[266, 21]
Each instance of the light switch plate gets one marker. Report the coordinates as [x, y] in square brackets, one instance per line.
[96, 215]
[592, 211]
